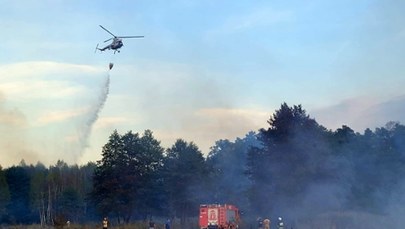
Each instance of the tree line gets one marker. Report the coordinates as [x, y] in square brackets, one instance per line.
[294, 167]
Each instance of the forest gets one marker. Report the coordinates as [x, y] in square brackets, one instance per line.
[294, 167]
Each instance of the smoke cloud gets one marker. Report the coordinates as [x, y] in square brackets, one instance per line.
[12, 126]
[48, 110]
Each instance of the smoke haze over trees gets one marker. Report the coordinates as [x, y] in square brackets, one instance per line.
[294, 167]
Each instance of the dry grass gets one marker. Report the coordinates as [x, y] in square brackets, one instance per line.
[137, 225]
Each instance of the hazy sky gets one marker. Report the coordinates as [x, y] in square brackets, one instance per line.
[206, 70]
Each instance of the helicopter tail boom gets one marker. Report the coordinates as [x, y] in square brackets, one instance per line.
[101, 49]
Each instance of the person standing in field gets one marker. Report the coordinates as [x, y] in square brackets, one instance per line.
[167, 225]
[151, 224]
[266, 223]
[280, 224]
[105, 223]
[259, 223]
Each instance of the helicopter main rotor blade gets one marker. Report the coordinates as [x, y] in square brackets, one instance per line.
[107, 31]
[130, 36]
[108, 40]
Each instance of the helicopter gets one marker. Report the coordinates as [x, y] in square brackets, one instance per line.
[116, 43]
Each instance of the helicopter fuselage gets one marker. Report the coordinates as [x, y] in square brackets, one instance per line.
[116, 44]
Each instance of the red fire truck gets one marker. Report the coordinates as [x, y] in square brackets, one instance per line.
[217, 216]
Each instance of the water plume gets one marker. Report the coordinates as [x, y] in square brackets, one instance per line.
[93, 113]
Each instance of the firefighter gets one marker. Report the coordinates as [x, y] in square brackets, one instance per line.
[280, 224]
[167, 225]
[151, 224]
[105, 223]
[266, 223]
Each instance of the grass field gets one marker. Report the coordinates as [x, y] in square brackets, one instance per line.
[139, 225]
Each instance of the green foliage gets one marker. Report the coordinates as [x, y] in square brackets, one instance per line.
[227, 163]
[183, 174]
[4, 194]
[292, 156]
[44, 195]
[292, 164]
[298, 154]
[69, 204]
[146, 159]
[122, 177]
[18, 181]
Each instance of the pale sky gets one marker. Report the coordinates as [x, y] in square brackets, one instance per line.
[206, 70]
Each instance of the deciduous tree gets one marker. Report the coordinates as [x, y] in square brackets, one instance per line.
[183, 173]
[122, 179]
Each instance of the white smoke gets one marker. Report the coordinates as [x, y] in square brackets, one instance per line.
[48, 110]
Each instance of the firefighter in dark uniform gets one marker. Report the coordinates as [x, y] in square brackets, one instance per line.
[167, 225]
[151, 224]
[259, 223]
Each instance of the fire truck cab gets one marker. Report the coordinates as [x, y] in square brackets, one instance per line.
[217, 216]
